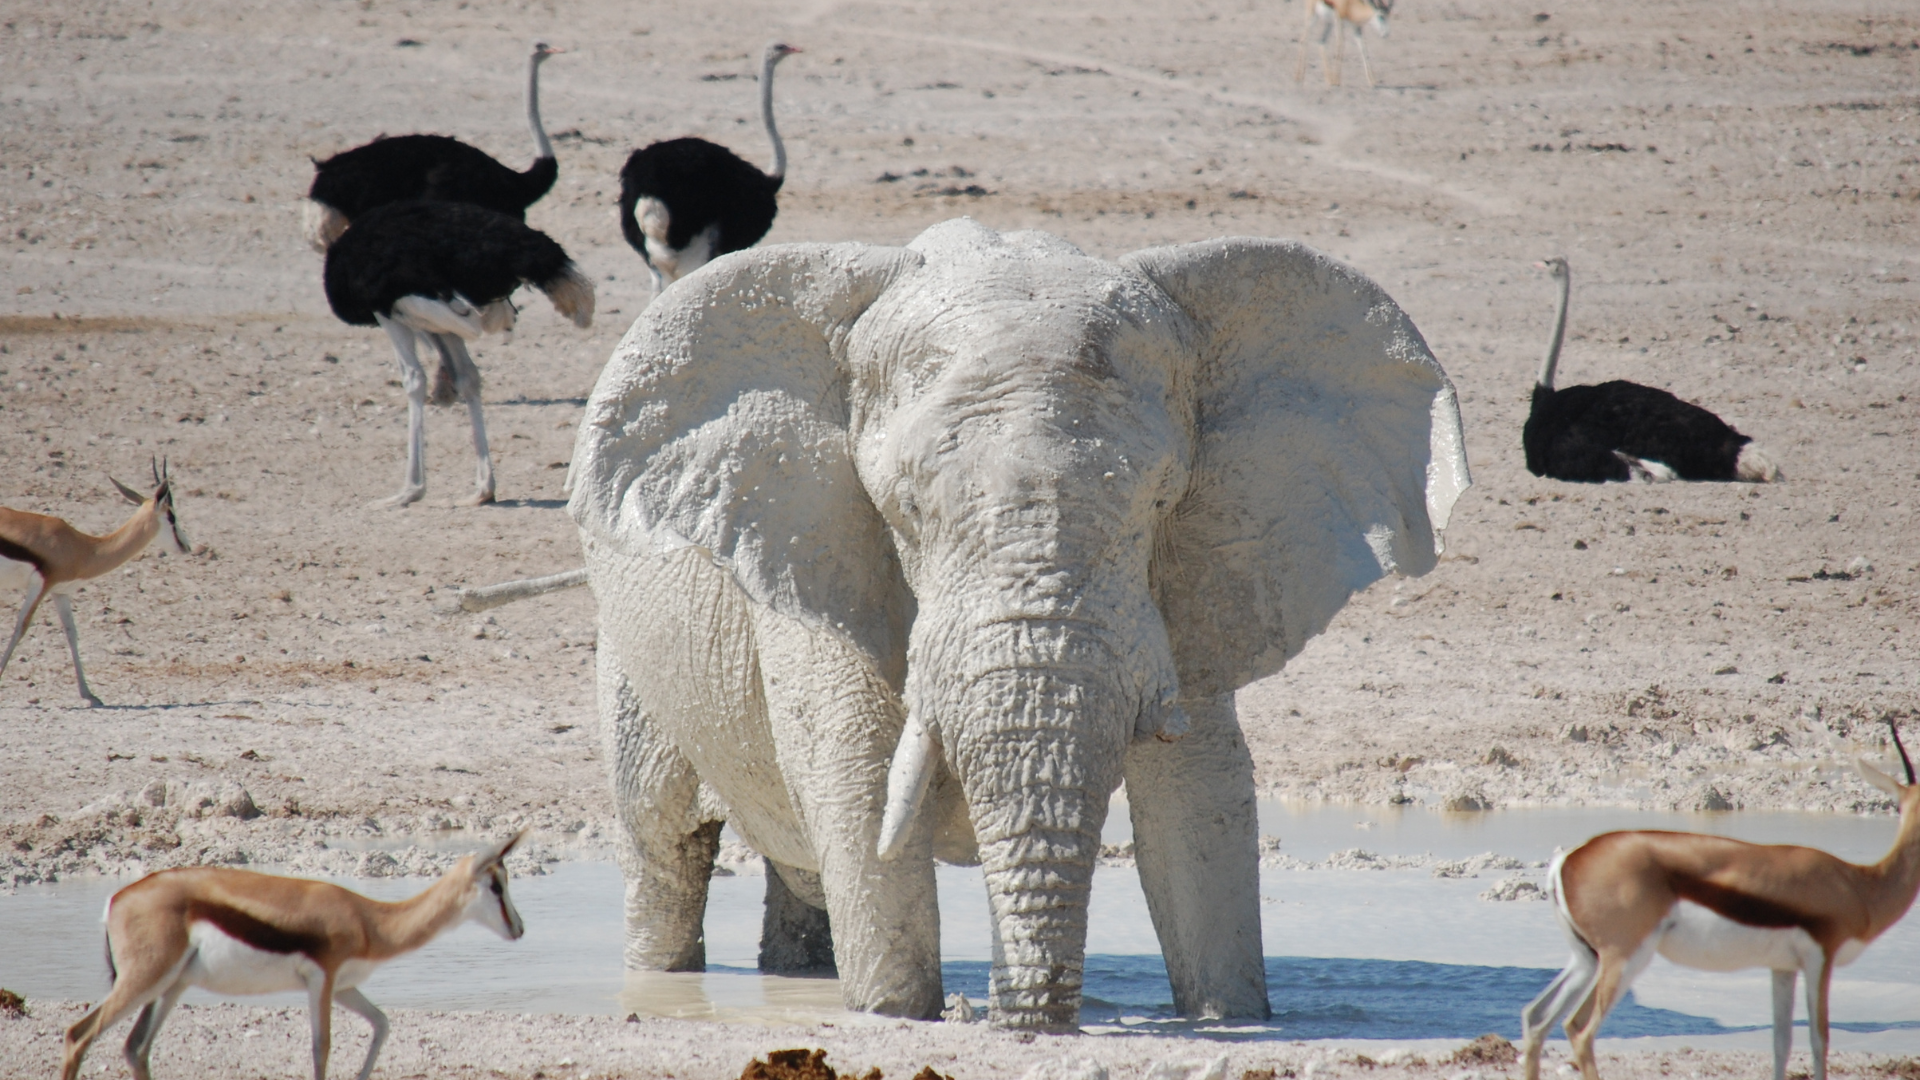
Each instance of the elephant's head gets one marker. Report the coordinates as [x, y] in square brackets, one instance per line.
[1049, 497]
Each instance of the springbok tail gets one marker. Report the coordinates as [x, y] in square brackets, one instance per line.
[572, 294]
[1755, 466]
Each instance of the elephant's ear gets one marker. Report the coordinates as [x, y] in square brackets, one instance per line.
[721, 423]
[1328, 453]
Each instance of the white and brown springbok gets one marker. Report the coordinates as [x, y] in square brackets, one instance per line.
[238, 932]
[1336, 17]
[1716, 904]
[44, 555]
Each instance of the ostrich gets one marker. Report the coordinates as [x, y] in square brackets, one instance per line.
[389, 170]
[443, 272]
[1620, 430]
[685, 201]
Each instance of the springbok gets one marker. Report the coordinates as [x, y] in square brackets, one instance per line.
[1333, 14]
[238, 932]
[44, 555]
[1716, 904]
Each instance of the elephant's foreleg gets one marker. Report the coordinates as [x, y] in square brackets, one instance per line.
[795, 938]
[835, 722]
[666, 851]
[1196, 840]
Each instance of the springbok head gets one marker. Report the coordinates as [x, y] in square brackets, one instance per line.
[488, 903]
[162, 499]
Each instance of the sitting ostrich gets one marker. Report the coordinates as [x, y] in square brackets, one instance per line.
[684, 202]
[1620, 430]
[389, 170]
[443, 272]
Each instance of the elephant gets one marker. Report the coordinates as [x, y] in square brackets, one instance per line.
[916, 553]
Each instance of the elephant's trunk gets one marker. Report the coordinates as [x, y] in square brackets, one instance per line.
[1036, 737]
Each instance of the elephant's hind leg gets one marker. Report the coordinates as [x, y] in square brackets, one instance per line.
[795, 938]
[666, 849]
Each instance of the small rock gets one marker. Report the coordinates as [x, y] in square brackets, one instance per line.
[1514, 889]
[12, 1005]
[1859, 566]
[1499, 756]
[959, 1010]
[1169, 1069]
[1467, 802]
[1715, 799]
[1084, 1068]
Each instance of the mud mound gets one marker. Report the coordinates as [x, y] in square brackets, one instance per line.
[1486, 1050]
[800, 1065]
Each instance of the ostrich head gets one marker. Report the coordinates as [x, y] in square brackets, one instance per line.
[1556, 267]
[778, 51]
[542, 50]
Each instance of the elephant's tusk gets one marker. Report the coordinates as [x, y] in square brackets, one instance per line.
[906, 784]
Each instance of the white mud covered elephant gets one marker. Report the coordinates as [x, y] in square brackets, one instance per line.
[918, 553]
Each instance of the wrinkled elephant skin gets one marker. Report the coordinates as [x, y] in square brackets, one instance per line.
[917, 553]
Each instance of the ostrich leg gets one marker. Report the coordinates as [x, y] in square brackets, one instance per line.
[414, 378]
[466, 383]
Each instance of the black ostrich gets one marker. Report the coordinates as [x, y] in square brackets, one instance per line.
[389, 170]
[443, 272]
[686, 201]
[1620, 430]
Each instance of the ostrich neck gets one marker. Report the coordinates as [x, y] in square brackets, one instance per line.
[766, 117]
[1552, 361]
[541, 147]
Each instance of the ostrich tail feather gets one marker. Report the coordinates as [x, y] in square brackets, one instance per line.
[1755, 466]
[572, 295]
[321, 225]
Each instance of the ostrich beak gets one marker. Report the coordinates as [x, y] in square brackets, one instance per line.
[1540, 266]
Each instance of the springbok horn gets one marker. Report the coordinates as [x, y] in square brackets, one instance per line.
[1904, 759]
[906, 784]
[495, 854]
[128, 493]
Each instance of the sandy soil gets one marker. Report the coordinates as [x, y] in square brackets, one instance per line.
[215, 1041]
[1736, 186]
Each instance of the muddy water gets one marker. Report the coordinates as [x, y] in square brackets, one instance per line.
[1353, 953]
